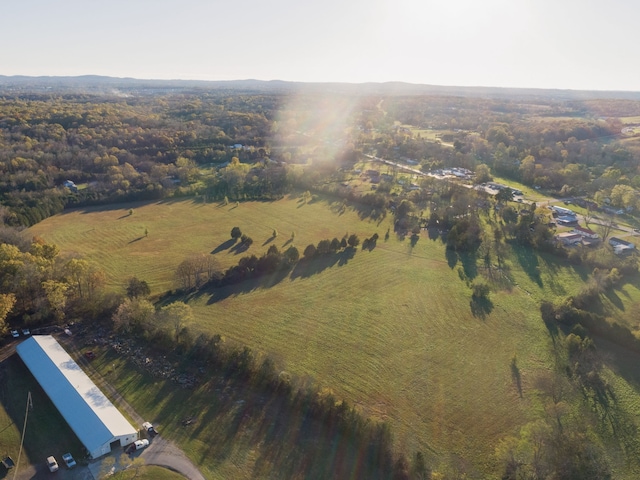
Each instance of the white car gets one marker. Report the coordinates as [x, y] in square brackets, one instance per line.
[68, 460]
[52, 464]
[26, 332]
[15, 334]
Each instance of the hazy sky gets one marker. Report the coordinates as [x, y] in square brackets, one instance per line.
[576, 44]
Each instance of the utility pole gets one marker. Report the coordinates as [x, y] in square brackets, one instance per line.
[24, 428]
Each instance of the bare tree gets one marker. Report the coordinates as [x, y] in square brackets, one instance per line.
[604, 228]
[588, 216]
[196, 270]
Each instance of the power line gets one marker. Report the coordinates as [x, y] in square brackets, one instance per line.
[24, 428]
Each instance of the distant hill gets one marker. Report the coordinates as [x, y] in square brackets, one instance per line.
[95, 84]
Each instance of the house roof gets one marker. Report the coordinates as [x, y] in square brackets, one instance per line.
[568, 235]
[619, 241]
[585, 230]
[89, 413]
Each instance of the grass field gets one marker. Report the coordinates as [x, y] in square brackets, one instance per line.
[115, 240]
[392, 330]
[148, 473]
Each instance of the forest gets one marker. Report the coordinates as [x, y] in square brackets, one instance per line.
[150, 146]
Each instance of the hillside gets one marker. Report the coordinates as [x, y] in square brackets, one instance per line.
[392, 330]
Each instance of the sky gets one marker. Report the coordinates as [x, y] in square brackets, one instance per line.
[567, 44]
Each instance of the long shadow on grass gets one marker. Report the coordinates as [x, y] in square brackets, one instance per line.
[452, 257]
[613, 297]
[227, 244]
[481, 307]
[306, 268]
[528, 260]
[363, 210]
[469, 262]
[433, 234]
[268, 241]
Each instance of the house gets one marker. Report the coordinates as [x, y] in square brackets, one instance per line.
[563, 212]
[97, 423]
[70, 185]
[586, 233]
[569, 238]
[621, 247]
[567, 220]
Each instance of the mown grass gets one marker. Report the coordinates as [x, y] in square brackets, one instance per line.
[393, 330]
[149, 472]
[115, 240]
[630, 120]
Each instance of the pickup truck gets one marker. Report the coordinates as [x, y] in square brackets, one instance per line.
[137, 445]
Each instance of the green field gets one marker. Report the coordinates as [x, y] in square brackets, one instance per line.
[148, 473]
[630, 120]
[392, 330]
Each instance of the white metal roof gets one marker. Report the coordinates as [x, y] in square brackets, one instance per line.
[89, 413]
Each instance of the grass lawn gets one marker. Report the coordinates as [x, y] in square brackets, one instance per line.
[150, 472]
[393, 330]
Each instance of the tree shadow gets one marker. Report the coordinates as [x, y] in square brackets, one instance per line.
[136, 240]
[480, 307]
[433, 234]
[613, 297]
[224, 246]
[268, 240]
[346, 255]
[469, 264]
[306, 268]
[413, 240]
[370, 246]
[239, 248]
[528, 260]
[515, 376]
[452, 257]
[288, 242]
[217, 294]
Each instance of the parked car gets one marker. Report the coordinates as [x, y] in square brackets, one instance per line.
[68, 460]
[52, 464]
[15, 334]
[150, 429]
[26, 332]
[137, 445]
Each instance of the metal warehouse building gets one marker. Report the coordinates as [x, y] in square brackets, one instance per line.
[97, 423]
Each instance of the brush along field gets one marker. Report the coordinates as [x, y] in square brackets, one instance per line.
[392, 330]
